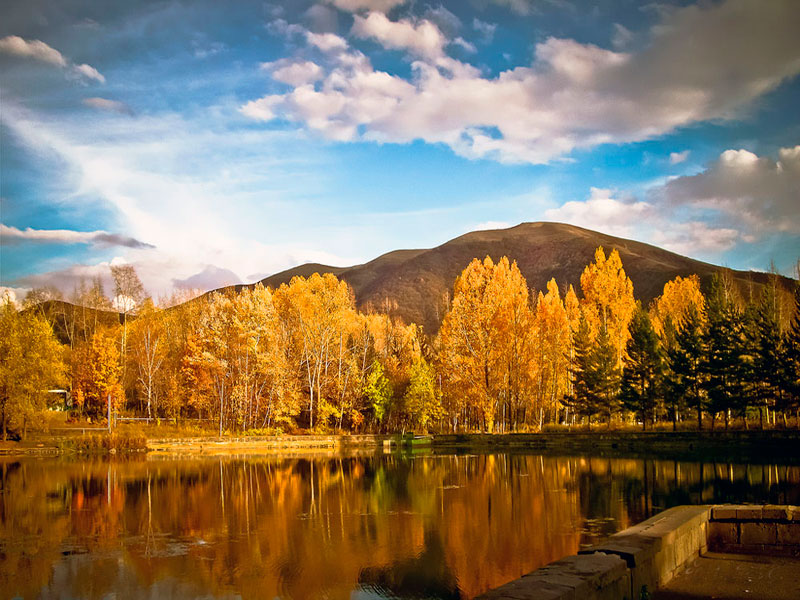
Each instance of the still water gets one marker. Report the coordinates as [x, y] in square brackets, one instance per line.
[357, 527]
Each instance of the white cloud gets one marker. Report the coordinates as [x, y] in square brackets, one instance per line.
[108, 105]
[35, 49]
[421, 38]
[755, 194]
[156, 176]
[366, 5]
[676, 158]
[327, 42]
[89, 72]
[12, 235]
[38, 50]
[294, 73]
[602, 212]
[462, 43]
[572, 96]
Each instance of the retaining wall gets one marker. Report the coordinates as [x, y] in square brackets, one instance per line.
[636, 561]
[753, 445]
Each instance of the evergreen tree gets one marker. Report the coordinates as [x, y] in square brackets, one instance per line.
[605, 376]
[581, 401]
[723, 364]
[789, 380]
[685, 374]
[644, 367]
[766, 351]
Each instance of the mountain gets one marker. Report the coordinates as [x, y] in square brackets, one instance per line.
[414, 284]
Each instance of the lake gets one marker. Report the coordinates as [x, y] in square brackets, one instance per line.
[361, 527]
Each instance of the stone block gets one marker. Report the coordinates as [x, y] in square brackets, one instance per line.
[758, 533]
[726, 512]
[722, 534]
[776, 513]
[794, 512]
[749, 513]
[789, 533]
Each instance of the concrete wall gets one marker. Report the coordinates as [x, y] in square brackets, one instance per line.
[636, 561]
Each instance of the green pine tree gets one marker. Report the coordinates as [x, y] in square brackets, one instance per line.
[644, 369]
[582, 402]
[685, 375]
[789, 380]
[605, 377]
[724, 365]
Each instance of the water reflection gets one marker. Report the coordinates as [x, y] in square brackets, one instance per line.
[346, 527]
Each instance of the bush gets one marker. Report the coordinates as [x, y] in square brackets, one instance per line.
[106, 443]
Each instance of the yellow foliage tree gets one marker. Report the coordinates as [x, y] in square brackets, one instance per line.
[485, 344]
[96, 373]
[31, 361]
[553, 339]
[680, 294]
[319, 314]
[608, 302]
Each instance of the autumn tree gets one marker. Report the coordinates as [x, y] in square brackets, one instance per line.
[96, 373]
[673, 304]
[149, 349]
[552, 341]
[128, 294]
[317, 312]
[485, 343]
[423, 400]
[608, 302]
[31, 362]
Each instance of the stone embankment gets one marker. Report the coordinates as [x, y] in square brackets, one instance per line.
[753, 445]
[635, 562]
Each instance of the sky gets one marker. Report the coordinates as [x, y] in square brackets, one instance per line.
[209, 143]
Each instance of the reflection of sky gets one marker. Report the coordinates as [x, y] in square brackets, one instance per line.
[182, 137]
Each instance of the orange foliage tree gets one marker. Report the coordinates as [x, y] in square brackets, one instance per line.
[485, 345]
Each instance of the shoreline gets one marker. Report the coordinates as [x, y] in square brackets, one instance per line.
[748, 446]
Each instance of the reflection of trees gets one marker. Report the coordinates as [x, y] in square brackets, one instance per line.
[301, 528]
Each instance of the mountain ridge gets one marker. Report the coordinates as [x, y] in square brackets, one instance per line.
[413, 284]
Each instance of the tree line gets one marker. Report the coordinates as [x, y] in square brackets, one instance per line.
[504, 359]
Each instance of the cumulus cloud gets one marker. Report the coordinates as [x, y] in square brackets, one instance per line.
[602, 212]
[647, 222]
[13, 235]
[739, 198]
[756, 194]
[422, 38]
[294, 73]
[38, 50]
[327, 42]
[108, 105]
[572, 96]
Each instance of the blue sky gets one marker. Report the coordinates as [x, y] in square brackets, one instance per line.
[207, 142]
